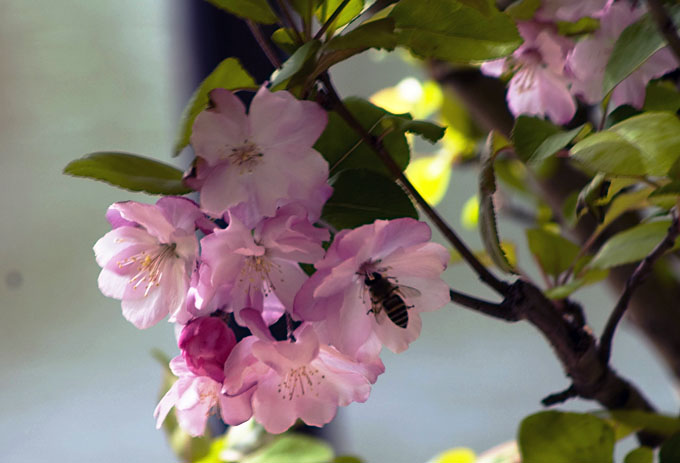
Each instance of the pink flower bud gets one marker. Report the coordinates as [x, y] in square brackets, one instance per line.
[206, 343]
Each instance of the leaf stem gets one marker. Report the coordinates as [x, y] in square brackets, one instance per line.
[638, 276]
[665, 25]
[484, 274]
[263, 43]
[289, 19]
[330, 20]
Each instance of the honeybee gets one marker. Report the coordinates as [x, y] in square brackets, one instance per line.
[389, 297]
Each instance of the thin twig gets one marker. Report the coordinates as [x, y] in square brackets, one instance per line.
[665, 25]
[330, 20]
[560, 397]
[491, 309]
[637, 277]
[289, 19]
[484, 274]
[263, 43]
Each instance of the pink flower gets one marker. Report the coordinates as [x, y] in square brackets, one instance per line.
[588, 60]
[539, 85]
[195, 397]
[258, 268]
[148, 257]
[342, 297]
[292, 380]
[262, 160]
[206, 344]
[569, 10]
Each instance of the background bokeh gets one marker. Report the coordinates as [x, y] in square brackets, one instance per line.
[78, 383]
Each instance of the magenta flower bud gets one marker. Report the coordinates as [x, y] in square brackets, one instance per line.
[206, 343]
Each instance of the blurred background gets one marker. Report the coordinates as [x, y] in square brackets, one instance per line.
[77, 381]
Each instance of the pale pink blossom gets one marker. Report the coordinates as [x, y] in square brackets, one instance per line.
[195, 398]
[338, 299]
[256, 162]
[300, 379]
[588, 60]
[148, 257]
[569, 10]
[206, 343]
[539, 85]
[258, 269]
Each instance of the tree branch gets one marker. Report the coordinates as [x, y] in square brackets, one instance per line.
[289, 19]
[484, 274]
[491, 309]
[665, 25]
[641, 272]
[263, 43]
[330, 20]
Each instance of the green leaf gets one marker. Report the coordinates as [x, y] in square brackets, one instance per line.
[590, 277]
[361, 196]
[670, 450]
[559, 437]
[131, 172]
[351, 10]
[374, 34]
[304, 6]
[487, 213]
[536, 139]
[640, 455]
[648, 144]
[428, 130]
[228, 74]
[347, 459]
[649, 421]
[293, 448]
[452, 31]
[283, 38]
[486, 7]
[634, 46]
[631, 245]
[257, 10]
[662, 96]
[622, 202]
[554, 253]
[523, 10]
[343, 148]
[583, 26]
[296, 62]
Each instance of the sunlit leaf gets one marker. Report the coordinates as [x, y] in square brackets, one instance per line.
[455, 455]
[295, 63]
[640, 455]
[553, 252]
[410, 96]
[349, 12]
[293, 448]
[430, 175]
[589, 277]
[559, 437]
[469, 215]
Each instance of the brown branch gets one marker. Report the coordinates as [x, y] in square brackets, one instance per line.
[484, 274]
[289, 19]
[263, 43]
[665, 25]
[638, 276]
[491, 309]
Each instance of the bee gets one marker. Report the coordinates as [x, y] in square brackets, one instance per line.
[389, 297]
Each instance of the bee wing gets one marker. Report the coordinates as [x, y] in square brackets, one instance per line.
[408, 291]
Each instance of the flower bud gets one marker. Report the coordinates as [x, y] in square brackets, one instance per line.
[206, 343]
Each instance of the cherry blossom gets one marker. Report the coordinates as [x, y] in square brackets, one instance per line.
[148, 257]
[300, 379]
[257, 161]
[338, 298]
[539, 85]
[258, 268]
[205, 344]
[588, 60]
[196, 397]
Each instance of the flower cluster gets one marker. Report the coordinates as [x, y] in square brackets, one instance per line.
[262, 188]
[550, 70]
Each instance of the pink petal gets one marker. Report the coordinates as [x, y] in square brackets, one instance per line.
[148, 216]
